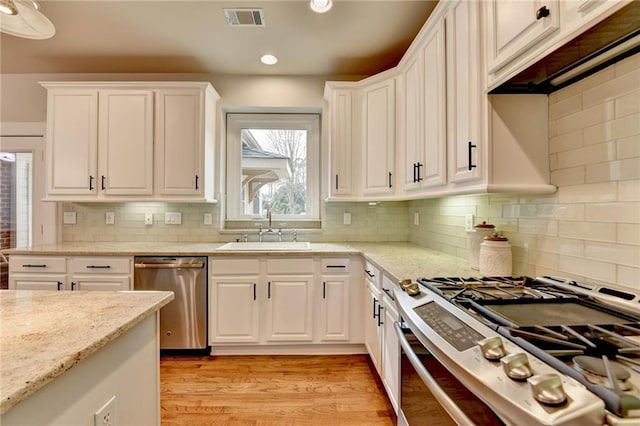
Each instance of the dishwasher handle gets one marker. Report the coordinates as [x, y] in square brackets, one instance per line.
[169, 265]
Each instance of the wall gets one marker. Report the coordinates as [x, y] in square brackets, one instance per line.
[589, 229]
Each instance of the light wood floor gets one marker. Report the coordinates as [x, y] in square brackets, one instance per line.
[272, 390]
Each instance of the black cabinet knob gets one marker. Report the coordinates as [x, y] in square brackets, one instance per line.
[543, 12]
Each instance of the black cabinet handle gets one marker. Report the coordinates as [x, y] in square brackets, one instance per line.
[414, 172]
[336, 181]
[336, 266]
[418, 165]
[197, 177]
[375, 302]
[90, 183]
[30, 265]
[98, 266]
[380, 322]
[254, 291]
[386, 290]
[104, 182]
[390, 180]
[470, 147]
[370, 274]
[269, 290]
[73, 286]
[324, 289]
[543, 12]
[59, 285]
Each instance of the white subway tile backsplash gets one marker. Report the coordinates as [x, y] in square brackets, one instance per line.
[629, 147]
[626, 169]
[570, 176]
[589, 268]
[566, 141]
[628, 104]
[573, 212]
[628, 233]
[613, 89]
[595, 192]
[591, 154]
[596, 114]
[614, 253]
[629, 190]
[564, 246]
[630, 64]
[565, 107]
[593, 80]
[628, 277]
[594, 231]
[613, 212]
[537, 226]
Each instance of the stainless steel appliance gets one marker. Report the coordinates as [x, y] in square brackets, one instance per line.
[529, 351]
[183, 322]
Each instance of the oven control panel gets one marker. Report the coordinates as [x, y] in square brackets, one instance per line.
[455, 332]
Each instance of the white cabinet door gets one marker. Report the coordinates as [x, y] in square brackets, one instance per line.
[179, 147]
[391, 352]
[234, 310]
[378, 137]
[72, 142]
[411, 117]
[38, 282]
[432, 170]
[289, 308]
[334, 309]
[100, 282]
[463, 92]
[341, 140]
[125, 142]
[373, 330]
[517, 25]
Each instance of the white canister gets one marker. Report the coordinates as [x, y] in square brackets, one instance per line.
[495, 257]
[476, 237]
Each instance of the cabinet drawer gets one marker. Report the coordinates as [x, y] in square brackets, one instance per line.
[372, 274]
[335, 266]
[226, 266]
[101, 265]
[36, 264]
[290, 266]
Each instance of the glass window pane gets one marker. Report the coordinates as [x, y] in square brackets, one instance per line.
[274, 171]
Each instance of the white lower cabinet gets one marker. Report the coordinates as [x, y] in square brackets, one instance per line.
[234, 309]
[390, 351]
[73, 273]
[373, 329]
[263, 300]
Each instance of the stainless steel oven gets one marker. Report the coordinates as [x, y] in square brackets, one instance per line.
[430, 394]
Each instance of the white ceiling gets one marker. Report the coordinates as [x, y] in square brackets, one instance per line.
[357, 37]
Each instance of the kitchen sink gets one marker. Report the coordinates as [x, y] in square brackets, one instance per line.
[267, 246]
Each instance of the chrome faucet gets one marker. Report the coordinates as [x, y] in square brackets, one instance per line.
[269, 219]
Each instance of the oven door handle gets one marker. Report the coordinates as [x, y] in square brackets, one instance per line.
[447, 403]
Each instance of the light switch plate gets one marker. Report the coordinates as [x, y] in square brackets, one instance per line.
[69, 218]
[148, 218]
[468, 222]
[416, 219]
[208, 219]
[346, 219]
[109, 218]
[173, 218]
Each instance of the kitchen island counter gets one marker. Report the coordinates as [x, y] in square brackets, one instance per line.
[45, 334]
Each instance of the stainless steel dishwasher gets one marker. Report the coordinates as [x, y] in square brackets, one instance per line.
[183, 322]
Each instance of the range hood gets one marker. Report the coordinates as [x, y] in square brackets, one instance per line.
[611, 40]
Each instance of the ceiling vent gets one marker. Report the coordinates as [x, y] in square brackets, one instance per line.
[244, 17]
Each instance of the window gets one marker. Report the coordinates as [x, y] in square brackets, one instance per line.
[273, 165]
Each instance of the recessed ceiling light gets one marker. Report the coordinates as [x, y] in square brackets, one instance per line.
[269, 59]
[320, 6]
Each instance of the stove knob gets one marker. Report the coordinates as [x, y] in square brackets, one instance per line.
[517, 366]
[547, 389]
[492, 348]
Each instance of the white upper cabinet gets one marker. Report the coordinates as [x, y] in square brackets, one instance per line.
[464, 93]
[378, 136]
[340, 97]
[184, 142]
[410, 114]
[130, 141]
[518, 25]
[72, 142]
[125, 142]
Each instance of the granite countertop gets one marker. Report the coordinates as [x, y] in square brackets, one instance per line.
[398, 259]
[45, 333]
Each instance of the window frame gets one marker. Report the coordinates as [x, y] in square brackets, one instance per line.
[235, 122]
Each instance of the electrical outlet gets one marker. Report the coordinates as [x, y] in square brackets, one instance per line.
[148, 218]
[173, 218]
[416, 219]
[468, 222]
[106, 416]
[109, 218]
[208, 219]
[69, 218]
[346, 219]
